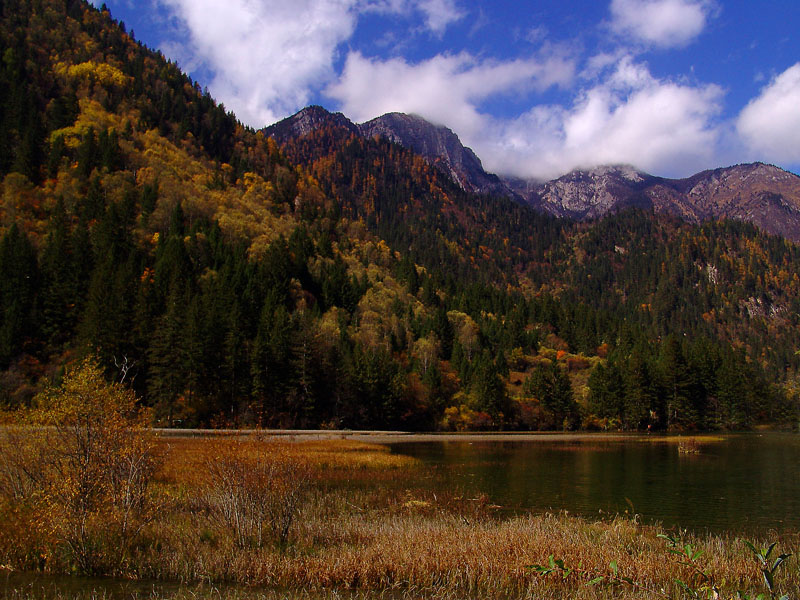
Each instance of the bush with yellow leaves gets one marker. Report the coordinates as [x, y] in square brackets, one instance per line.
[80, 464]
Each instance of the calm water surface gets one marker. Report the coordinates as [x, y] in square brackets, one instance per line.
[742, 483]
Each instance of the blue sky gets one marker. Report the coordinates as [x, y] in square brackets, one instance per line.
[535, 88]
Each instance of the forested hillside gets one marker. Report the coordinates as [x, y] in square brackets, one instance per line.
[338, 281]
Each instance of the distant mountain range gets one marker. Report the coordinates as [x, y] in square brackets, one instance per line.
[761, 194]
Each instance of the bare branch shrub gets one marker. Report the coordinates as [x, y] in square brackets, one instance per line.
[256, 490]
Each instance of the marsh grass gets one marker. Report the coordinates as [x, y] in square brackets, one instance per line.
[353, 536]
[680, 440]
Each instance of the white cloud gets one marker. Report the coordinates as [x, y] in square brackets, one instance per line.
[628, 118]
[664, 23]
[536, 35]
[445, 89]
[439, 14]
[770, 124]
[268, 57]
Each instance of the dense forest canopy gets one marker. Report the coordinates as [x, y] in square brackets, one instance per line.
[338, 281]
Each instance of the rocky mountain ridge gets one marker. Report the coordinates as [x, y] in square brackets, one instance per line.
[585, 194]
[440, 146]
[437, 144]
[761, 194]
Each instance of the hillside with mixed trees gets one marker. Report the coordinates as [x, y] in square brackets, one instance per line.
[336, 280]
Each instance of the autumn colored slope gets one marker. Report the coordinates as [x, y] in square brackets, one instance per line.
[343, 281]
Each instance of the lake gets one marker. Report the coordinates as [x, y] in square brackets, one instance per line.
[742, 483]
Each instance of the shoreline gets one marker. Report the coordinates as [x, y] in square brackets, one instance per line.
[403, 437]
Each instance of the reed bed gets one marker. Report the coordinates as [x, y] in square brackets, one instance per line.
[442, 553]
[351, 536]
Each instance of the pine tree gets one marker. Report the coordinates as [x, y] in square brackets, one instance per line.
[19, 286]
[444, 331]
[270, 359]
[107, 324]
[61, 291]
[235, 366]
[641, 407]
[194, 344]
[166, 379]
[304, 364]
[731, 399]
[489, 390]
[551, 386]
[606, 391]
[676, 379]
[88, 154]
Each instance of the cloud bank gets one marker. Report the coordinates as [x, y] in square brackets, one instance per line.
[269, 58]
[770, 123]
[445, 89]
[630, 117]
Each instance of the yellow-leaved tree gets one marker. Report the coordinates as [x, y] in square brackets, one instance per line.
[87, 458]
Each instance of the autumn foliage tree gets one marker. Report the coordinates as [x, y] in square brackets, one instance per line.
[87, 459]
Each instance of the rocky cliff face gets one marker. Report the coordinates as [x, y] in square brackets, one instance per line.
[761, 194]
[439, 146]
[587, 194]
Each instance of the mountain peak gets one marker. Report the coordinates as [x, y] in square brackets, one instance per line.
[437, 144]
[628, 172]
[309, 119]
[585, 194]
[396, 126]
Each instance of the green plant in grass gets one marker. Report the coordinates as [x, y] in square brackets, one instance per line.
[612, 577]
[768, 571]
[700, 583]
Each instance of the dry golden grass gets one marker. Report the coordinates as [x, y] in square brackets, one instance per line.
[347, 454]
[187, 458]
[440, 553]
[680, 439]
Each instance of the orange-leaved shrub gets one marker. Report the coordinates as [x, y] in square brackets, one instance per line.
[80, 464]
